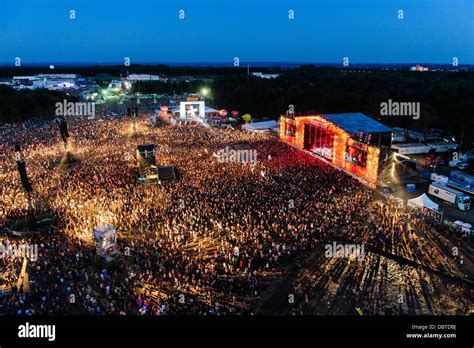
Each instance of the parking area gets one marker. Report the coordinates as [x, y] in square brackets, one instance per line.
[451, 213]
[426, 163]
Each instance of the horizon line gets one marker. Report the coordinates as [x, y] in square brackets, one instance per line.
[230, 64]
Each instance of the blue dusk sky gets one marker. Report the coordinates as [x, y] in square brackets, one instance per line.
[150, 31]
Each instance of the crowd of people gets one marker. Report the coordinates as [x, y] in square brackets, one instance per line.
[209, 243]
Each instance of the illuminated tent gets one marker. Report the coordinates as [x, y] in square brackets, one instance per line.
[422, 202]
[210, 110]
[261, 126]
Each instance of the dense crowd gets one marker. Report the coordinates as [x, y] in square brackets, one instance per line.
[208, 243]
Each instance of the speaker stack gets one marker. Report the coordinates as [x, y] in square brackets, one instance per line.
[22, 169]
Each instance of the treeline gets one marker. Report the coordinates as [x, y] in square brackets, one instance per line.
[445, 98]
[121, 71]
[28, 104]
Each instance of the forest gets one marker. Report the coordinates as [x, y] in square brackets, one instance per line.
[21, 105]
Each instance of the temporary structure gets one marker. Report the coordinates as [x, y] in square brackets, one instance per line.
[261, 126]
[422, 202]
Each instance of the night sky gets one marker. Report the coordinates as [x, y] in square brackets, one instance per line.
[150, 31]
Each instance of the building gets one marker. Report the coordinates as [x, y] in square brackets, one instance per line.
[143, 77]
[50, 81]
[422, 148]
[20, 79]
[352, 142]
[72, 77]
[419, 68]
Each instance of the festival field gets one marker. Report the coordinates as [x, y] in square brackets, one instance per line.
[224, 238]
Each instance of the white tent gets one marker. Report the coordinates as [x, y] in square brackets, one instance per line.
[422, 201]
[260, 126]
[210, 110]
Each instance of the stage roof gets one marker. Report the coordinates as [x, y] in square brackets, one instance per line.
[356, 122]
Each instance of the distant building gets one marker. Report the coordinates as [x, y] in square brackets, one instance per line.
[144, 77]
[50, 81]
[264, 76]
[19, 79]
[419, 68]
[59, 76]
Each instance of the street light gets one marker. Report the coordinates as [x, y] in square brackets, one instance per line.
[205, 91]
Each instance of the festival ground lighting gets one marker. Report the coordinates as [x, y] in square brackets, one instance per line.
[205, 91]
